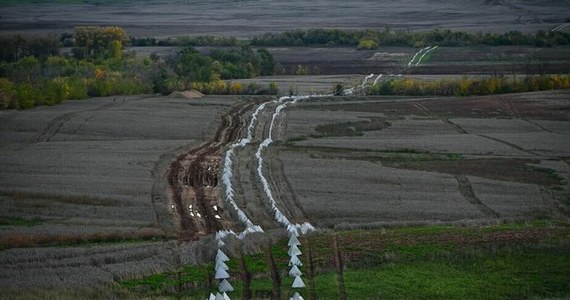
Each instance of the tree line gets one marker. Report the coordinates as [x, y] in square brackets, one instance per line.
[476, 86]
[371, 39]
[31, 74]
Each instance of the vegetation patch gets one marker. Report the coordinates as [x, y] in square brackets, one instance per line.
[368, 39]
[32, 73]
[470, 86]
[43, 240]
[517, 170]
[16, 221]
[493, 262]
[351, 128]
[80, 199]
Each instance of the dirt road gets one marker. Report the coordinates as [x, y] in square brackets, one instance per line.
[193, 178]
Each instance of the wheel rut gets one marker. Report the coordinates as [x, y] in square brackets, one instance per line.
[466, 191]
[425, 110]
[53, 127]
[193, 179]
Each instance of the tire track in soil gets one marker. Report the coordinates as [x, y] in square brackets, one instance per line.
[193, 178]
[53, 127]
[425, 110]
[517, 147]
[466, 190]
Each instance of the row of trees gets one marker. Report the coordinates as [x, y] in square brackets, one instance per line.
[470, 86]
[187, 41]
[370, 39]
[99, 67]
[223, 64]
[13, 48]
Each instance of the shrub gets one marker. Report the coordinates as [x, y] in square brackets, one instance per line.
[7, 94]
[367, 45]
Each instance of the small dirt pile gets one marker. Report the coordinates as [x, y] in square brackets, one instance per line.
[191, 94]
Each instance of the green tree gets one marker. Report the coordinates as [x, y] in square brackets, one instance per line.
[338, 90]
[267, 65]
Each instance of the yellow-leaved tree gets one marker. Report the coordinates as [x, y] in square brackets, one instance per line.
[93, 41]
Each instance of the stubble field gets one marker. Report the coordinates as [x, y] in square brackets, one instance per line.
[435, 197]
[248, 18]
[433, 160]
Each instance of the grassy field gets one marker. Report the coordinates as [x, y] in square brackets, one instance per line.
[437, 262]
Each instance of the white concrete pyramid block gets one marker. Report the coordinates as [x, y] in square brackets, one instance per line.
[220, 243]
[296, 296]
[298, 283]
[219, 296]
[306, 228]
[226, 297]
[212, 297]
[292, 230]
[221, 256]
[293, 240]
[221, 274]
[221, 265]
[294, 250]
[295, 271]
[295, 261]
[225, 286]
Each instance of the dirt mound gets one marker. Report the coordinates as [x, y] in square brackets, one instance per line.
[191, 94]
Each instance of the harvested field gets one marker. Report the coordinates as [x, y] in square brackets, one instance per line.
[444, 60]
[440, 159]
[182, 17]
[329, 189]
[90, 172]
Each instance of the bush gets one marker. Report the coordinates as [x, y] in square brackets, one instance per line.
[7, 94]
[367, 45]
[25, 96]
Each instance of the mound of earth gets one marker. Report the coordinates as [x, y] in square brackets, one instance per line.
[191, 94]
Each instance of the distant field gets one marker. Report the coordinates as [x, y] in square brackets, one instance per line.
[247, 18]
[408, 160]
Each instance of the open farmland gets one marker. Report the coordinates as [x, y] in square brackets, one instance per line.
[113, 178]
[248, 18]
[433, 160]
[91, 173]
[320, 179]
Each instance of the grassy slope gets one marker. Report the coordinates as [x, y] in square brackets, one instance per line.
[494, 262]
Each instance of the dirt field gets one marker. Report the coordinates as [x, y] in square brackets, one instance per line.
[246, 18]
[437, 161]
[91, 172]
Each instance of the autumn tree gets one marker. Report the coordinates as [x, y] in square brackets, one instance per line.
[94, 41]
